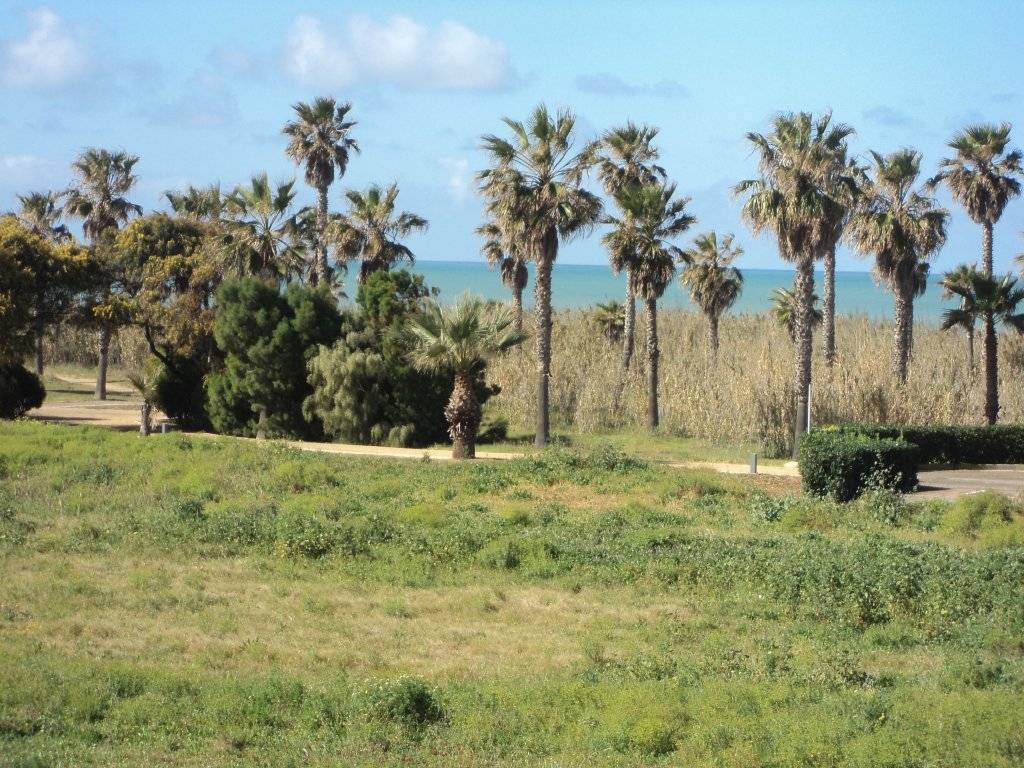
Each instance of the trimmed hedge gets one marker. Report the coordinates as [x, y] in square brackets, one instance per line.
[842, 465]
[998, 444]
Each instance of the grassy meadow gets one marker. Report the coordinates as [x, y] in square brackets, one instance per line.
[195, 601]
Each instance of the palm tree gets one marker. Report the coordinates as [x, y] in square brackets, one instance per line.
[610, 318]
[534, 186]
[371, 231]
[506, 256]
[982, 178]
[902, 227]
[651, 220]
[202, 204]
[713, 282]
[795, 199]
[626, 158]
[261, 230]
[784, 309]
[41, 213]
[955, 283]
[462, 338]
[991, 300]
[97, 196]
[319, 138]
[845, 186]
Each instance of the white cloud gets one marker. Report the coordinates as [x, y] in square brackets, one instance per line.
[399, 50]
[50, 55]
[459, 182]
[18, 162]
[205, 101]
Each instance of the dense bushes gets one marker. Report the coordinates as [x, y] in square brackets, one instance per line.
[842, 465]
[20, 391]
[997, 444]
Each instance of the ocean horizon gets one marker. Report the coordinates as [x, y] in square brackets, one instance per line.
[576, 286]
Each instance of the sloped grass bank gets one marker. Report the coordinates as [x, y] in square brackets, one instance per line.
[183, 601]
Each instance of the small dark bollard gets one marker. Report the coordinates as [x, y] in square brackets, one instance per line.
[753, 463]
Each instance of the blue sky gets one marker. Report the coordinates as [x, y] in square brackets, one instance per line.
[200, 90]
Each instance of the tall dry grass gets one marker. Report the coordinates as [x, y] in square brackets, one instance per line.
[746, 394]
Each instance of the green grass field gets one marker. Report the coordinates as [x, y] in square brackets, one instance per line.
[185, 601]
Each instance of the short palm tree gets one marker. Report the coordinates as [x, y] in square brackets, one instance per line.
[203, 204]
[956, 283]
[713, 282]
[991, 300]
[784, 309]
[320, 139]
[982, 177]
[462, 338]
[534, 187]
[505, 254]
[901, 227]
[372, 233]
[98, 197]
[260, 228]
[41, 213]
[626, 158]
[651, 220]
[795, 199]
[610, 318]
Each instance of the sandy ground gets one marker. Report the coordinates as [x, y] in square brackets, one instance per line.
[124, 415]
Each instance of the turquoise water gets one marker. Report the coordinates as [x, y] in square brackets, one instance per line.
[581, 285]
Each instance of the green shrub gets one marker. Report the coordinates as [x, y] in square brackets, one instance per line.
[997, 444]
[406, 701]
[842, 465]
[20, 391]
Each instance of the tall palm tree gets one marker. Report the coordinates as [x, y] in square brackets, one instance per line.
[462, 338]
[845, 183]
[372, 233]
[534, 185]
[784, 309]
[320, 139]
[610, 318]
[713, 282]
[901, 227]
[795, 199]
[98, 197]
[626, 158]
[991, 300]
[41, 213]
[956, 283]
[982, 178]
[261, 230]
[651, 220]
[507, 256]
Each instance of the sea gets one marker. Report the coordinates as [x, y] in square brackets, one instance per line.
[583, 285]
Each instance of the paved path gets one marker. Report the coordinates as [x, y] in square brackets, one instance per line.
[953, 483]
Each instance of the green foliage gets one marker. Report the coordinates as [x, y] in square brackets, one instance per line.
[406, 701]
[996, 444]
[842, 465]
[266, 339]
[20, 391]
[180, 391]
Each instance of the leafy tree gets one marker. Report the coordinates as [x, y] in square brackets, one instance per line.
[267, 338]
[651, 220]
[505, 253]
[902, 228]
[98, 197]
[795, 199]
[460, 339]
[320, 139]
[20, 391]
[626, 158]
[18, 251]
[784, 308]
[260, 227]
[713, 282]
[982, 177]
[992, 301]
[956, 283]
[372, 233]
[610, 318]
[534, 186]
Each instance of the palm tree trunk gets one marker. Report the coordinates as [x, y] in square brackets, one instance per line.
[261, 425]
[542, 299]
[40, 330]
[463, 414]
[900, 335]
[910, 325]
[986, 248]
[517, 300]
[628, 339]
[828, 327]
[145, 418]
[970, 348]
[991, 370]
[319, 273]
[101, 372]
[803, 331]
[713, 334]
[652, 364]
